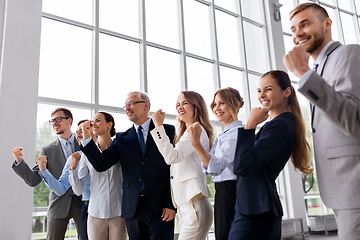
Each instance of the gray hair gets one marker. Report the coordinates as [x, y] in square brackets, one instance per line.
[141, 95]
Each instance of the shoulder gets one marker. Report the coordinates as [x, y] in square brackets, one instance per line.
[284, 120]
[52, 145]
[169, 127]
[347, 50]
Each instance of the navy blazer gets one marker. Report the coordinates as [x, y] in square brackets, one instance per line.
[258, 161]
[136, 167]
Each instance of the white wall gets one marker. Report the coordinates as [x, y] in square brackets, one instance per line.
[20, 37]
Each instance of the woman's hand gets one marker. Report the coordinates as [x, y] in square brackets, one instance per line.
[194, 133]
[75, 158]
[158, 118]
[41, 161]
[85, 127]
[257, 115]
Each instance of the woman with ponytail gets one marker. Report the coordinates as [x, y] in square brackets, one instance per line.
[259, 158]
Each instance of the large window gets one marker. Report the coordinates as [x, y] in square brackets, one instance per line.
[94, 52]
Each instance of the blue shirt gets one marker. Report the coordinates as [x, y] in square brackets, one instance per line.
[64, 144]
[59, 187]
[222, 154]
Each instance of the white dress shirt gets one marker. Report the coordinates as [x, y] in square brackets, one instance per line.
[105, 187]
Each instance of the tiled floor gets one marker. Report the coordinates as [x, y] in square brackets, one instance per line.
[332, 235]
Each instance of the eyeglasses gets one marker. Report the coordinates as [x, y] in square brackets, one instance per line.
[58, 119]
[79, 132]
[130, 104]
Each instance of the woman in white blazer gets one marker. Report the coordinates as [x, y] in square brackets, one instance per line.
[189, 190]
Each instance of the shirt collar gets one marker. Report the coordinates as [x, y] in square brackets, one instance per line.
[236, 123]
[71, 139]
[145, 125]
[323, 51]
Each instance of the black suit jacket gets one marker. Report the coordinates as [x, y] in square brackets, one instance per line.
[258, 161]
[149, 167]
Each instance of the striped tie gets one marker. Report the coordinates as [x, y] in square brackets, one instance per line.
[315, 67]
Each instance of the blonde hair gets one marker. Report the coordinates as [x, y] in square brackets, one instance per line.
[231, 97]
[200, 115]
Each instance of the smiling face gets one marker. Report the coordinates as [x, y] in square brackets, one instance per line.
[310, 31]
[185, 110]
[271, 96]
[100, 125]
[63, 126]
[222, 111]
[138, 113]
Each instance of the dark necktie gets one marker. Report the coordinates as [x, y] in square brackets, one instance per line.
[142, 145]
[141, 139]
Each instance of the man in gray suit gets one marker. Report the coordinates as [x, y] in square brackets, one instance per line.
[333, 87]
[61, 208]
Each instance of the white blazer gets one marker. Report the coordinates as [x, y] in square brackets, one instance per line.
[187, 176]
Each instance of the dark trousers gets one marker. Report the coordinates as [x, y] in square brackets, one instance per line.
[147, 225]
[57, 226]
[224, 208]
[264, 226]
[84, 216]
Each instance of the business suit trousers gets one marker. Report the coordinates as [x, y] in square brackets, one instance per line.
[224, 208]
[56, 227]
[106, 228]
[195, 218]
[147, 224]
[264, 226]
[348, 223]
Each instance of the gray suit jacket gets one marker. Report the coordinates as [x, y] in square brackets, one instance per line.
[335, 91]
[58, 205]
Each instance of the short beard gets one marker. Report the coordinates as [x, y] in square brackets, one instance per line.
[61, 132]
[317, 43]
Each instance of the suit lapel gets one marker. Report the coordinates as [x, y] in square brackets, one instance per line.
[330, 49]
[58, 150]
[135, 140]
[149, 140]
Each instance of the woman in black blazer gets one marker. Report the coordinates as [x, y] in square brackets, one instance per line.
[260, 158]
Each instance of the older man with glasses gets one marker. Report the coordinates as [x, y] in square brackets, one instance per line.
[147, 205]
[61, 208]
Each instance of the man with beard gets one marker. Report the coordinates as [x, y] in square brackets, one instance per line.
[333, 87]
[61, 208]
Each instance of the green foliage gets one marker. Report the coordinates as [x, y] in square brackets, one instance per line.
[211, 185]
[44, 136]
[41, 195]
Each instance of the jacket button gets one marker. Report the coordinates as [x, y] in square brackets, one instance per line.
[171, 177]
[313, 130]
[140, 179]
[143, 163]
